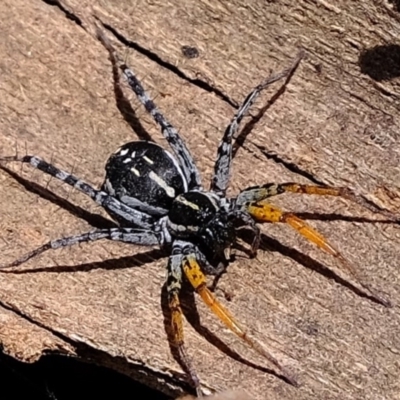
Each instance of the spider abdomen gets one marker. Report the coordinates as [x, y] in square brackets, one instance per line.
[145, 176]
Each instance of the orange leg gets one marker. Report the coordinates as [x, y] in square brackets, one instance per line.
[260, 193]
[174, 282]
[178, 342]
[265, 212]
[197, 279]
[338, 192]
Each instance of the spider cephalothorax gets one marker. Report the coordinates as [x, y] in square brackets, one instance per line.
[158, 199]
[205, 219]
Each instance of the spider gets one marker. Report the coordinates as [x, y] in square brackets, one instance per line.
[158, 200]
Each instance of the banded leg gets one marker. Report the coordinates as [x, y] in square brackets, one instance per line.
[249, 222]
[219, 182]
[109, 203]
[126, 235]
[260, 193]
[265, 212]
[174, 283]
[169, 132]
[197, 279]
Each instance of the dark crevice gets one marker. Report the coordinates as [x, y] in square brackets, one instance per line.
[71, 16]
[25, 317]
[289, 166]
[171, 67]
[57, 377]
[396, 5]
[313, 216]
[134, 369]
[171, 383]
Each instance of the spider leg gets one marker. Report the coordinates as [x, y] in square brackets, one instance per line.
[249, 222]
[109, 203]
[176, 143]
[197, 279]
[219, 182]
[259, 193]
[127, 235]
[174, 283]
[265, 212]
[169, 132]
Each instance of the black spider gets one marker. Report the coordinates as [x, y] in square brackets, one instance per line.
[158, 200]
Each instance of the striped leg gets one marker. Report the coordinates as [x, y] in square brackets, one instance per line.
[109, 203]
[126, 235]
[248, 221]
[169, 132]
[222, 166]
[264, 212]
[260, 193]
[174, 282]
[197, 279]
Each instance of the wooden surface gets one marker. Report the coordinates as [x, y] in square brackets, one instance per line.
[337, 123]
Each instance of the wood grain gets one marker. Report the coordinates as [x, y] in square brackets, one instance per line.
[335, 124]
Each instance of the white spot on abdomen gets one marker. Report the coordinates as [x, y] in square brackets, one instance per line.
[135, 171]
[148, 160]
[160, 182]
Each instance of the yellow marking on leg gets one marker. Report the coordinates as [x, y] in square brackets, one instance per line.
[265, 212]
[178, 342]
[338, 192]
[310, 233]
[176, 319]
[313, 189]
[197, 279]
